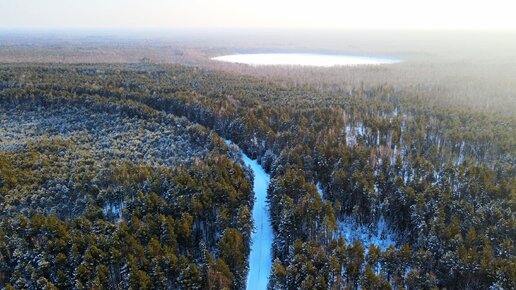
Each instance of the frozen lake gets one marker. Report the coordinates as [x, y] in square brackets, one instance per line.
[304, 59]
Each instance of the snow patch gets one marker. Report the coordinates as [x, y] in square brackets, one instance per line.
[320, 190]
[113, 210]
[353, 132]
[377, 234]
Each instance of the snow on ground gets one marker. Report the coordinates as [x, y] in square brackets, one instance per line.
[320, 190]
[460, 159]
[260, 259]
[111, 209]
[378, 234]
[353, 132]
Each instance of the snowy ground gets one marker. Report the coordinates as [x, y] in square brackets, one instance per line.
[378, 234]
[113, 210]
[320, 191]
[260, 259]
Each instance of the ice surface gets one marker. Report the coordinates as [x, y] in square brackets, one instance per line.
[303, 59]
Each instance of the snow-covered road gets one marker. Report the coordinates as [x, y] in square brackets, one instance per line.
[260, 260]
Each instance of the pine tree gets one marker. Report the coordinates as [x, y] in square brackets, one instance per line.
[278, 277]
[231, 249]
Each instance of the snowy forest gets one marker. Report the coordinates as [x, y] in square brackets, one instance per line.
[119, 177]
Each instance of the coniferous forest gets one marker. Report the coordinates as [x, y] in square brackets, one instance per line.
[118, 176]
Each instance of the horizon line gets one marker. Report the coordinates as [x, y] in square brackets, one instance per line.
[155, 28]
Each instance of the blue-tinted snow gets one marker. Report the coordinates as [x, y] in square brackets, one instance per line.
[260, 259]
[378, 234]
[111, 209]
[320, 190]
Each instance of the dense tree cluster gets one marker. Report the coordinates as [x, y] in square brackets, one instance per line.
[443, 178]
[100, 194]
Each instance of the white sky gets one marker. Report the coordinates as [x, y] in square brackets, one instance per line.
[331, 14]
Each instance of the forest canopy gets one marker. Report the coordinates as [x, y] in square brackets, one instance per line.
[118, 176]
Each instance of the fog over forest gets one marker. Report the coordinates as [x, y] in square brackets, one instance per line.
[473, 69]
[318, 157]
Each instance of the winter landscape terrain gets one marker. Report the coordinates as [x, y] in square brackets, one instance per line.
[229, 145]
[359, 187]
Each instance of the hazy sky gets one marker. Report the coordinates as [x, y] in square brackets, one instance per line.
[333, 14]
